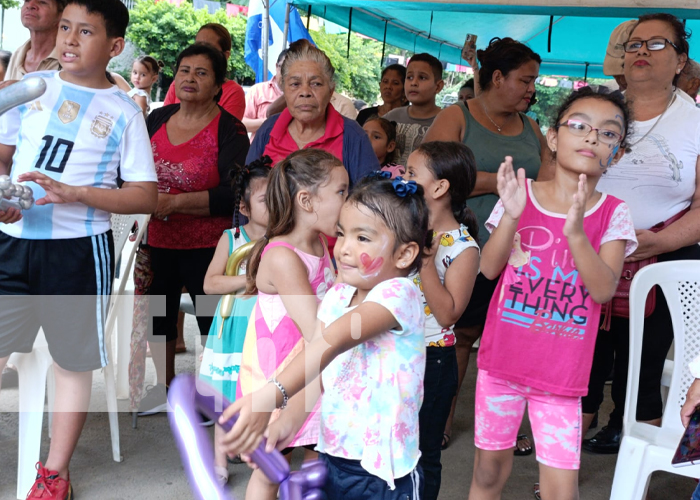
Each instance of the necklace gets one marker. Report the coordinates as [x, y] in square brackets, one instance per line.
[498, 128]
[670, 101]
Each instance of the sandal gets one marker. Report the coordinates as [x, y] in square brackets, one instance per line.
[522, 452]
[536, 491]
[445, 441]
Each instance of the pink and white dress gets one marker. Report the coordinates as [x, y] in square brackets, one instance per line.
[273, 339]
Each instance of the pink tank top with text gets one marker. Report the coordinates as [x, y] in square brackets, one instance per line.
[542, 323]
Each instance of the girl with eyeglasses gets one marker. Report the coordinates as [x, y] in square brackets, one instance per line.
[658, 180]
[558, 247]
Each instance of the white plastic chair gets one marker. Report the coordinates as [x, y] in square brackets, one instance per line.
[34, 371]
[646, 448]
[124, 309]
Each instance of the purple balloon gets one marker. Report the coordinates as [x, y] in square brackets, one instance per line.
[187, 401]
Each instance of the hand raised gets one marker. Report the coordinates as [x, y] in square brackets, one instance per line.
[511, 188]
[471, 59]
[574, 217]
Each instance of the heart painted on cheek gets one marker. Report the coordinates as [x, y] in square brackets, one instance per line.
[371, 265]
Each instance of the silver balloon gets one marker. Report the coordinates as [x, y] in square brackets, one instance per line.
[5, 182]
[26, 204]
[7, 193]
[12, 189]
[19, 190]
[28, 193]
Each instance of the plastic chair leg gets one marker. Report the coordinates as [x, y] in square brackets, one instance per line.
[631, 477]
[113, 412]
[125, 317]
[32, 369]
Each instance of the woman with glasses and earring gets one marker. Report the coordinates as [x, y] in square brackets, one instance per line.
[493, 125]
[658, 180]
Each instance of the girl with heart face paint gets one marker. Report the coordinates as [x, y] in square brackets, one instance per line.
[370, 346]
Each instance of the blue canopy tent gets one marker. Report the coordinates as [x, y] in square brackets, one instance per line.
[570, 35]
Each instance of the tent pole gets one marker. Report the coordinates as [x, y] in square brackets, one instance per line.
[585, 74]
[549, 36]
[349, 33]
[386, 24]
[286, 25]
[430, 30]
[308, 18]
[265, 36]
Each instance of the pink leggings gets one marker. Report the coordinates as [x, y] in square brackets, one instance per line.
[555, 420]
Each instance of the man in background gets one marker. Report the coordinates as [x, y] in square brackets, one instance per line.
[39, 53]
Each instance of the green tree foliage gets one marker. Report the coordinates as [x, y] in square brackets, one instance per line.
[358, 75]
[9, 4]
[163, 30]
[550, 98]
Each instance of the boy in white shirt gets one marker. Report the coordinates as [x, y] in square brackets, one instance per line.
[70, 146]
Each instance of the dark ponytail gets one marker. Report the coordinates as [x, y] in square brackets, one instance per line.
[242, 179]
[454, 162]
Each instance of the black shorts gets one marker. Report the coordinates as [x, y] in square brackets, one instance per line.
[475, 313]
[62, 286]
[347, 480]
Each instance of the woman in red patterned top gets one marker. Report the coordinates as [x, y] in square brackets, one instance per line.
[196, 144]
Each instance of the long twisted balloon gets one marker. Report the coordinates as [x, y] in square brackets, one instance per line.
[187, 400]
[16, 195]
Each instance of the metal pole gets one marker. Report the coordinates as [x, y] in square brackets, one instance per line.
[265, 36]
[286, 25]
[2, 27]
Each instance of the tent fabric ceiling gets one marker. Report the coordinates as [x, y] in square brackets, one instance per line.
[579, 34]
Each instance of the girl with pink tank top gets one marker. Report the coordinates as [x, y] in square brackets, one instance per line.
[290, 269]
[558, 247]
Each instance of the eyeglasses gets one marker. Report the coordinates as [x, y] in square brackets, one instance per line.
[582, 129]
[652, 44]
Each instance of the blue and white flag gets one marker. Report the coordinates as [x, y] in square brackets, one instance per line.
[253, 35]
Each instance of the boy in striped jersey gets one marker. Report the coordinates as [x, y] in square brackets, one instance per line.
[57, 264]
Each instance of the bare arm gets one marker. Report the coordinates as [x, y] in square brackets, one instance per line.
[284, 273]
[449, 125]
[547, 167]
[131, 198]
[474, 64]
[11, 215]
[692, 400]
[6, 154]
[448, 301]
[121, 82]
[142, 102]
[682, 233]
[215, 281]
[600, 272]
[366, 321]
[196, 203]
[497, 250]
[485, 184]
[253, 124]
[277, 106]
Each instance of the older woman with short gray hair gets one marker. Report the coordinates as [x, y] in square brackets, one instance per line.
[309, 121]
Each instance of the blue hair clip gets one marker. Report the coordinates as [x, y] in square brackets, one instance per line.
[404, 187]
[379, 174]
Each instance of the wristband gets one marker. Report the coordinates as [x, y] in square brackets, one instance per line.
[285, 398]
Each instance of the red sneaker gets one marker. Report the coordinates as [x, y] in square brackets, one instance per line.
[49, 485]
